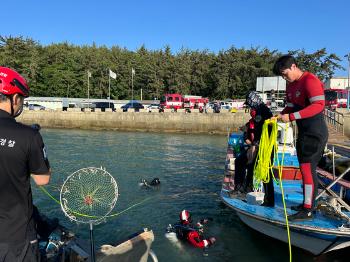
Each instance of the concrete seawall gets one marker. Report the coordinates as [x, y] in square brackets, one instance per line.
[138, 121]
[144, 121]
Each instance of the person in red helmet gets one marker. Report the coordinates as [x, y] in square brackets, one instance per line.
[185, 230]
[22, 155]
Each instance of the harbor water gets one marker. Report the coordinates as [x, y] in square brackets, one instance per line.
[190, 168]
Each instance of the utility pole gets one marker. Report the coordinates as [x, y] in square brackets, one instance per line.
[348, 88]
[88, 91]
[348, 56]
[132, 85]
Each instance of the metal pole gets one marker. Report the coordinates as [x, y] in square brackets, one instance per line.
[132, 87]
[109, 90]
[348, 55]
[92, 244]
[88, 90]
[333, 183]
[333, 162]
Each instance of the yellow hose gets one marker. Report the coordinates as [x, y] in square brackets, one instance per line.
[263, 164]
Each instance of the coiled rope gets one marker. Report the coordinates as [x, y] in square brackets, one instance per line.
[263, 168]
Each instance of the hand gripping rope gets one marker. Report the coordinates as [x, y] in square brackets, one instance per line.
[264, 164]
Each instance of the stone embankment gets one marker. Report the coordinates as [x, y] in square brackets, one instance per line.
[168, 121]
[180, 121]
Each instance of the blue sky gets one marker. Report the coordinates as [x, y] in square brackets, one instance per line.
[194, 24]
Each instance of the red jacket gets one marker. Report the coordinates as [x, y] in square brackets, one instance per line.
[305, 97]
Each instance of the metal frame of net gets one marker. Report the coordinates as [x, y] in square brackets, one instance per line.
[89, 195]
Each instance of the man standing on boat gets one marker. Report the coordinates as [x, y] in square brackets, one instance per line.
[22, 155]
[305, 104]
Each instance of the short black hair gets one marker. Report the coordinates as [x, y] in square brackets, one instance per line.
[283, 63]
[3, 97]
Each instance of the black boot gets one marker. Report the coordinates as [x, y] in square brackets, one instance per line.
[305, 214]
[297, 208]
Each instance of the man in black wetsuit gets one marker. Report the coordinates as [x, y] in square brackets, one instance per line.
[305, 104]
[22, 155]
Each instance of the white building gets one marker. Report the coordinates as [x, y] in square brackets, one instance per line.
[337, 82]
[266, 84]
[272, 90]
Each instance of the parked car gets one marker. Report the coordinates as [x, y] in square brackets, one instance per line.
[36, 107]
[132, 104]
[153, 106]
[104, 105]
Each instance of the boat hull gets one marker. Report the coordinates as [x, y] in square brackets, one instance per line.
[314, 243]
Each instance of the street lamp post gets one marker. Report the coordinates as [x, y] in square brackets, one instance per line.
[88, 90]
[348, 56]
[132, 86]
[348, 88]
[348, 102]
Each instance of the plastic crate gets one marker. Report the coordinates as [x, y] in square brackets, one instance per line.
[289, 160]
[288, 173]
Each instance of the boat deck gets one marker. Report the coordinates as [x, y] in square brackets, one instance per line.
[293, 196]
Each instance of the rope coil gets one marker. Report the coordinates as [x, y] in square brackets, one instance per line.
[264, 164]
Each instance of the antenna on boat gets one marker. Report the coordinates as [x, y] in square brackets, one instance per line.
[88, 196]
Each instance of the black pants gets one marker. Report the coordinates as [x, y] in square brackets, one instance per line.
[310, 148]
[25, 252]
[240, 168]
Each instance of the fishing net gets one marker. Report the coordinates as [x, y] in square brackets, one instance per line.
[89, 195]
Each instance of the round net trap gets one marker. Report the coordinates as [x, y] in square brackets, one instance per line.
[89, 195]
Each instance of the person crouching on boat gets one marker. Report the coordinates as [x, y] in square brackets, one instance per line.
[244, 161]
[260, 113]
[305, 105]
[193, 234]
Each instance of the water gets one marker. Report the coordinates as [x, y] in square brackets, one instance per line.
[190, 168]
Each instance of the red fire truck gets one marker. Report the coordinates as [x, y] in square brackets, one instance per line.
[336, 98]
[177, 101]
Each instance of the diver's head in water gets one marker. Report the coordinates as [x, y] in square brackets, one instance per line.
[155, 182]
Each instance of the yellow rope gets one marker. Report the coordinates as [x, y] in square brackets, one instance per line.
[89, 216]
[264, 165]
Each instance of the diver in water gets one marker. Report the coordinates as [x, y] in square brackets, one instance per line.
[191, 233]
[154, 183]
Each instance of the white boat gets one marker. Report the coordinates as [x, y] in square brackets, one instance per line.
[328, 230]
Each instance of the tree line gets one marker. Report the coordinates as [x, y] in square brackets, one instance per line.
[61, 69]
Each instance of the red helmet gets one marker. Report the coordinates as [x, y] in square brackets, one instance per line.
[185, 217]
[12, 83]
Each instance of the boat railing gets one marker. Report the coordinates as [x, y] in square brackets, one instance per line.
[337, 180]
[335, 119]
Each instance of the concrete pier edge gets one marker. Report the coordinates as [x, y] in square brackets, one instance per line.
[178, 122]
